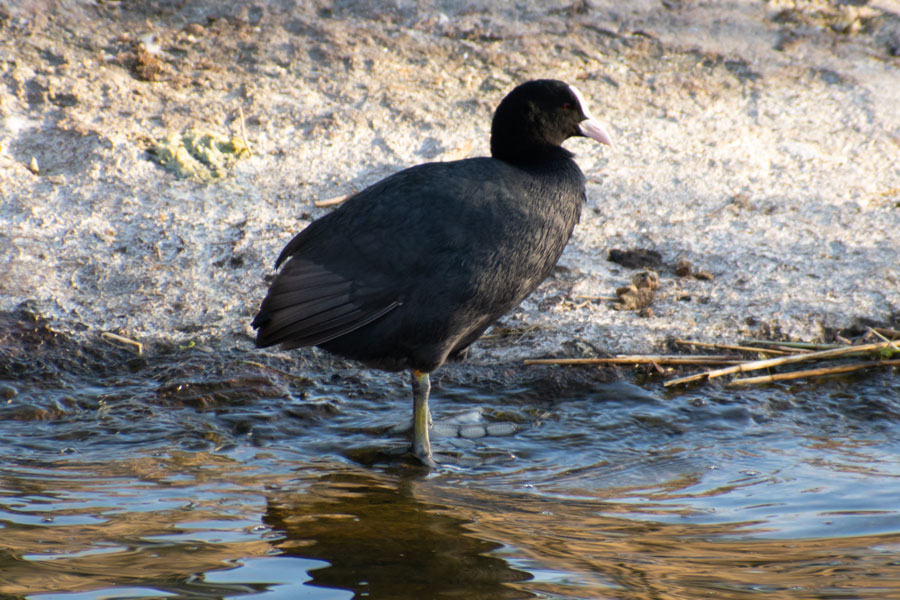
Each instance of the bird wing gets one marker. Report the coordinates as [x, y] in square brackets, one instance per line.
[420, 236]
[308, 304]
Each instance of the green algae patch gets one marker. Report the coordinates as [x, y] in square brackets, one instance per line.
[198, 154]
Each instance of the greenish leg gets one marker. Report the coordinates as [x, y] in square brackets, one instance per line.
[421, 385]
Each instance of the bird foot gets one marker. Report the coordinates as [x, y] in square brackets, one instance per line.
[427, 460]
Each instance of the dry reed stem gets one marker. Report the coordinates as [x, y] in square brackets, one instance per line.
[731, 347]
[892, 343]
[813, 372]
[659, 359]
[784, 360]
[789, 350]
[891, 333]
[793, 346]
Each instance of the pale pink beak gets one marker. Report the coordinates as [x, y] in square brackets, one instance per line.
[590, 127]
[594, 130]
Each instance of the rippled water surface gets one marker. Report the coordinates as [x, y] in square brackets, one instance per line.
[203, 475]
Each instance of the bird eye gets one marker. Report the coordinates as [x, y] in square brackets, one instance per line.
[567, 105]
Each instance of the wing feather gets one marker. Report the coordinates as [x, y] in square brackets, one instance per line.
[308, 304]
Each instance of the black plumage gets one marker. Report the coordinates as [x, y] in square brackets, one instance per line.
[414, 268]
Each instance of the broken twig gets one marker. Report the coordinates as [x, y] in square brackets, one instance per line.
[262, 367]
[122, 342]
[331, 201]
[604, 298]
[244, 131]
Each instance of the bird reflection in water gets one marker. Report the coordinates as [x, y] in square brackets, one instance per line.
[381, 542]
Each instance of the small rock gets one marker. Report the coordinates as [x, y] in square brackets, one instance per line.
[638, 258]
[195, 29]
[892, 43]
[683, 267]
[646, 279]
[639, 294]
[788, 40]
[143, 65]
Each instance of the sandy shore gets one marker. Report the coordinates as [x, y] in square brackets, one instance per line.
[758, 141]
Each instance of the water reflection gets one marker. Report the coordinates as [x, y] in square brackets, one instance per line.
[194, 475]
[606, 556]
[404, 537]
[148, 522]
[198, 525]
[381, 541]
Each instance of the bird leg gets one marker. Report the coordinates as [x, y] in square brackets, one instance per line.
[421, 385]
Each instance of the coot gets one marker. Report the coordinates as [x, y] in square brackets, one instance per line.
[413, 269]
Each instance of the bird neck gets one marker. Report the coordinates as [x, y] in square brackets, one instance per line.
[527, 154]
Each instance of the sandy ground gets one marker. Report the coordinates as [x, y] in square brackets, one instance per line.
[760, 141]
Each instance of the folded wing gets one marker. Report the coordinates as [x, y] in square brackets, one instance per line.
[308, 304]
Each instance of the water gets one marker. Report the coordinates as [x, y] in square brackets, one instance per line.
[193, 474]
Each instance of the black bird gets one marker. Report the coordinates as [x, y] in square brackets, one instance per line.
[413, 269]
